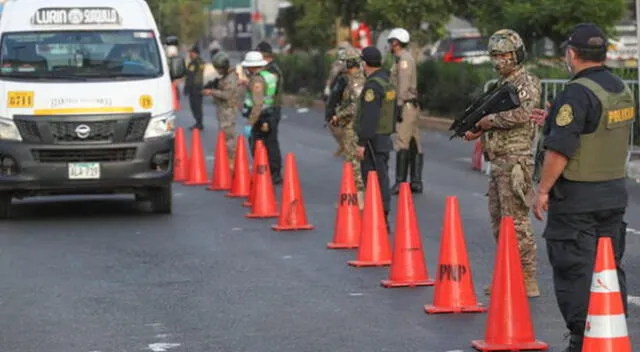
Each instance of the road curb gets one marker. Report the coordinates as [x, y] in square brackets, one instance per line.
[426, 122]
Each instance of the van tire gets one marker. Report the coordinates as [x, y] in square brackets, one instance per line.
[5, 205]
[161, 199]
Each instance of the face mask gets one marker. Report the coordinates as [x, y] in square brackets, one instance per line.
[502, 65]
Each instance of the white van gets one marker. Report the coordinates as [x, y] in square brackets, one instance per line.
[86, 102]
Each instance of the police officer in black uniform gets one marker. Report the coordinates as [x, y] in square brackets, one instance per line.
[582, 182]
[193, 86]
[272, 142]
[375, 122]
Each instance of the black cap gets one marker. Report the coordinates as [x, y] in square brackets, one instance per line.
[264, 47]
[195, 49]
[371, 56]
[586, 36]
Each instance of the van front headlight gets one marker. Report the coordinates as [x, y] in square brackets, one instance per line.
[9, 131]
[161, 125]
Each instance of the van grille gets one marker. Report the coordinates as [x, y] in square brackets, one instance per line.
[56, 130]
[83, 155]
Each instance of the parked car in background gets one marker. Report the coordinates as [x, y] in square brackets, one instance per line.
[460, 46]
[623, 47]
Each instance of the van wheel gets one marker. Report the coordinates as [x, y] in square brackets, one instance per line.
[5, 205]
[161, 200]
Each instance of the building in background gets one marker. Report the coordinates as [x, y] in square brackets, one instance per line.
[239, 25]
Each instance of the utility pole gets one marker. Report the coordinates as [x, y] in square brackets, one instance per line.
[635, 123]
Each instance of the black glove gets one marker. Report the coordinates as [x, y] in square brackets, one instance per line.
[399, 113]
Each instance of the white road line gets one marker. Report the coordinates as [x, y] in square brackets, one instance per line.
[162, 347]
[355, 294]
[633, 300]
[632, 231]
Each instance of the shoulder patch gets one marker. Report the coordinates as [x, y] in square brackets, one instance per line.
[565, 115]
[404, 64]
[369, 96]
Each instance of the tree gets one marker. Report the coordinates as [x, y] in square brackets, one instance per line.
[536, 19]
[411, 15]
[183, 18]
[310, 24]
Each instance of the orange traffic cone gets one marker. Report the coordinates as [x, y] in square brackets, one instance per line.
[181, 157]
[374, 247]
[264, 200]
[509, 325]
[221, 179]
[176, 96]
[454, 292]
[606, 326]
[241, 185]
[408, 266]
[249, 202]
[292, 213]
[197, 166]
[346, 233]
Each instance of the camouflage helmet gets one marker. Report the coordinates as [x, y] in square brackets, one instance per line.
[507, 41]
[344, 45]
[221, 61]
[351, 54]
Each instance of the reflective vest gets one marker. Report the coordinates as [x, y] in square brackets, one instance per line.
[271, 81]
[387, 122]
[602, 155]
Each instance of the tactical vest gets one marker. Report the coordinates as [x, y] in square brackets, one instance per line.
[271, 81]
[602, 154]
[387, 122]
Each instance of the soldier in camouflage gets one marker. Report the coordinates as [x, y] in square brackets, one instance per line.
[507, 139]
[226, 96]
[346, 113]
[338, 67]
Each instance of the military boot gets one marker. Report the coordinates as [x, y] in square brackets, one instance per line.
[402, 166]
[416, 173]
[386, 221]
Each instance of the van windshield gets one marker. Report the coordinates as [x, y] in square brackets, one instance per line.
[72, 55]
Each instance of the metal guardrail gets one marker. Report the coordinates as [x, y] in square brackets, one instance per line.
[551, 88]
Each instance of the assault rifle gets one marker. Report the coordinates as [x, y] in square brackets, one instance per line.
[498, 99]
[213, 84]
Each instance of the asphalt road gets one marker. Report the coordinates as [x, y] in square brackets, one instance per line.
[102, 274]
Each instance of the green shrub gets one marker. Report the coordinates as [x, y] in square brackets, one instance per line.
[444, 89]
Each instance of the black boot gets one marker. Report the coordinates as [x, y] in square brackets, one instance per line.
[416, 173]
[402, 166]
[575, 343]
[386, 221]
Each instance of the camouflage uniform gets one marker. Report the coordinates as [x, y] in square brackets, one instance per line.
[337, 68]
[226, 96]
[508, 145]
[346, 113]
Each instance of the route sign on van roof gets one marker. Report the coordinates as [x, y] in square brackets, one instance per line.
[54, 16]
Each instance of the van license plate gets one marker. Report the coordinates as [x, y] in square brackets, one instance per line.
[84, 171]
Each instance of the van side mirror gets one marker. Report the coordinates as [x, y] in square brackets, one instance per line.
[177, 68]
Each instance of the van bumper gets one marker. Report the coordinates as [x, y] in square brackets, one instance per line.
[123, 168]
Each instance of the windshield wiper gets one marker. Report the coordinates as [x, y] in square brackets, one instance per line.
[117, 75]
[44, 75]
